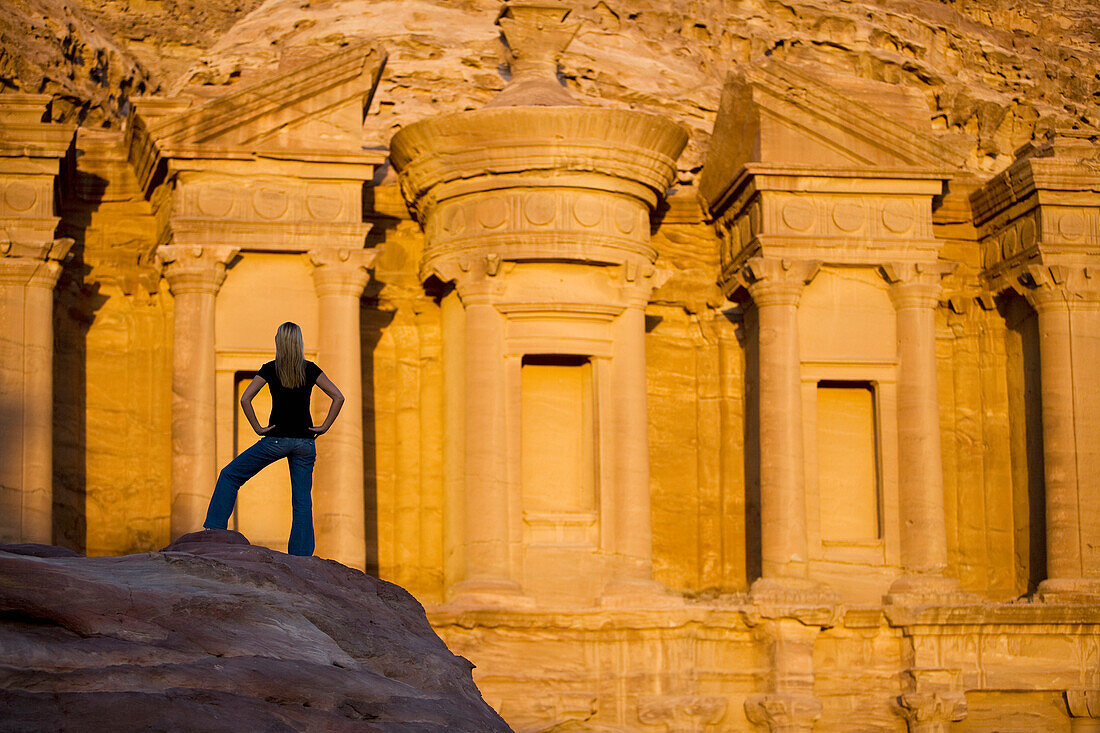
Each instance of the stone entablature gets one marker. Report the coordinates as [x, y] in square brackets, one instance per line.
[843, 217]
[562, 183]
[1044, 209]
[31, 152]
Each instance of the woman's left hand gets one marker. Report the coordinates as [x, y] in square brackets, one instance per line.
[317, 430]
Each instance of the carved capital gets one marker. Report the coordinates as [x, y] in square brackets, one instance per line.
[1049, 286]
[474, 277]
[638, 280]
[37, 267]
[1083, 703]
[933, 701]
[682, 712]
[931, 711]
[193, 268]
[916, 284]
[773, 281]
[786, 711]
[341, 271]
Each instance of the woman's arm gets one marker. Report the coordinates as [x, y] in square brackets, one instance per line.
[250, 391]
[330, 389]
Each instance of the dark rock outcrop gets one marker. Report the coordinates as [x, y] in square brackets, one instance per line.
[215, 634]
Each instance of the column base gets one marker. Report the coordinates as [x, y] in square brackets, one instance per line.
[810, 601]
[1069, 590]
[501, 595]
[638, 593]
[930, 589]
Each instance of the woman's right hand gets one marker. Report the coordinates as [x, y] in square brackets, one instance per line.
[265, 431]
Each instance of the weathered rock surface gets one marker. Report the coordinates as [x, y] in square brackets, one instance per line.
[214, 632]
[994, 72]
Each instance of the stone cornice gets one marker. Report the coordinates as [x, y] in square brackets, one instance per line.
[258, 123]
[23, 134]
[1067, 162]
[837, 217]
[1043, 211]
[635, 147]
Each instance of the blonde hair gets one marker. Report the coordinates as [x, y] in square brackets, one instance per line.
[290, 362]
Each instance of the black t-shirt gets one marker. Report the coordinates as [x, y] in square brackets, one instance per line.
[290, 407]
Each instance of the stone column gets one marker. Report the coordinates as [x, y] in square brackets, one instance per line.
[339, 277]
[1071, 448]
[194, 276]
[632, 520]
[26, 390]
[775, 288]
[915, 291]
[488, 568]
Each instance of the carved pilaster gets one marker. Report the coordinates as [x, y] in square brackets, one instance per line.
[789, 704]
[28, 274]
[194, 276]
[339, 276]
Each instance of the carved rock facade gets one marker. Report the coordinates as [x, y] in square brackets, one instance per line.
[802, 438]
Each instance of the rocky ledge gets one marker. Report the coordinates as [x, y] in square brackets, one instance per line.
[216, 634]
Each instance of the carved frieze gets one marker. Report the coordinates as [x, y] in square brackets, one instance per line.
[272, 212]
[548, 221]
[844, 228]
[26, 196]
[268, 199]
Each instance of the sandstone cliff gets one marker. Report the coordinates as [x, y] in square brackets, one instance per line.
[993, 73]
[216, 633]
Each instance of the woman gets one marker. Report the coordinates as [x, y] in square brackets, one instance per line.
[290, 434]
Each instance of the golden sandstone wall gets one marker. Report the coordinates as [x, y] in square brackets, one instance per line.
[852, 260]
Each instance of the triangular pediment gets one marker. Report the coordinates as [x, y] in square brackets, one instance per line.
[313, 110]
[778, 114]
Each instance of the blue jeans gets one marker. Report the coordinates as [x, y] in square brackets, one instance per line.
[300, 453]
